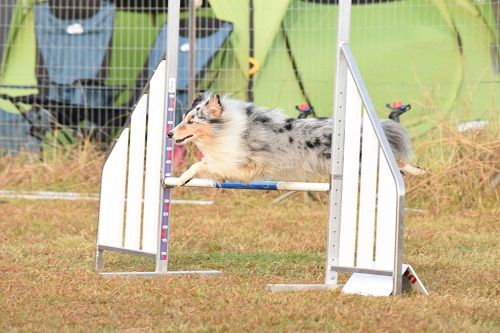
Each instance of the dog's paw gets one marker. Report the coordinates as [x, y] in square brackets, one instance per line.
[183, 181]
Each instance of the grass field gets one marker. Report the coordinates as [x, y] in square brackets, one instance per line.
[48, 283]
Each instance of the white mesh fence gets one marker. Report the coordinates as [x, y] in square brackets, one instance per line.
[71, 69]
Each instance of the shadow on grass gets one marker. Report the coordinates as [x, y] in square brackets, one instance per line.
[265, 264]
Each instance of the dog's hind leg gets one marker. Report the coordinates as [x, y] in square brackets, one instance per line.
[248, 173]
[409, 169]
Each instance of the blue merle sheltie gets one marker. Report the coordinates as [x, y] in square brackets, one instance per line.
[243, 142]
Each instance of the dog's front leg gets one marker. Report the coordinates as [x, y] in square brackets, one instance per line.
[191, 172]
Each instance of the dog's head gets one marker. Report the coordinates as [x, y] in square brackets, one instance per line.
[198, 123]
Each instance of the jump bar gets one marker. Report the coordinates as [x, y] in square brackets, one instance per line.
[257, 185]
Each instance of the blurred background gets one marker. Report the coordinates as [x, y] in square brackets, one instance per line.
[70, 70]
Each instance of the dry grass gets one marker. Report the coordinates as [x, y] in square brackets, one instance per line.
[47, 256]
[461, 170]
[76, 169]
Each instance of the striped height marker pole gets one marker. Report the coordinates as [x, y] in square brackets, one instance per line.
[168, 123]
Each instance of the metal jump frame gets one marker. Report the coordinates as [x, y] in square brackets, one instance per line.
[345, 65]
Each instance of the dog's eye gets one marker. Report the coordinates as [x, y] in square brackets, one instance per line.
[190, 121]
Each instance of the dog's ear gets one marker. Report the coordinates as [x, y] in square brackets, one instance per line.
[197, 100]
[214, 107]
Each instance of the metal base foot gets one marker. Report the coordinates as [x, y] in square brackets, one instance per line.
[156, 274]
[99, 260]
[300, 287]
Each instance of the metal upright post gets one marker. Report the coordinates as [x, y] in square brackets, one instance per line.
[168, 124]
[336, 176]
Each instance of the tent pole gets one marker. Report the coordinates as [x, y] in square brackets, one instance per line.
[192, 51]
[251, 51]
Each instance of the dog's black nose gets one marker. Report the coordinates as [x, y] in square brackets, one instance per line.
[170, 135]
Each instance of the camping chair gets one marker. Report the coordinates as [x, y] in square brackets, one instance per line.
[14, 129]
[211, 35]
[73, 43]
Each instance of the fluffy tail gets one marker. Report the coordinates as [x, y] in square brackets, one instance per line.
[400, 143]
[398, 139]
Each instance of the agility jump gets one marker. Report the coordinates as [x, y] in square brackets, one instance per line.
[366, 196]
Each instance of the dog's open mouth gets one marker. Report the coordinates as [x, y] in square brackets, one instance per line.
[183, 139]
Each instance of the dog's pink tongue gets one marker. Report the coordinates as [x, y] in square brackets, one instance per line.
[180, 154]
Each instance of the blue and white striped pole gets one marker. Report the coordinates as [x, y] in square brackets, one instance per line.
[170, 182]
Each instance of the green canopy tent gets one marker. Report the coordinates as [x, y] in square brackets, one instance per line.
[441, 56]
